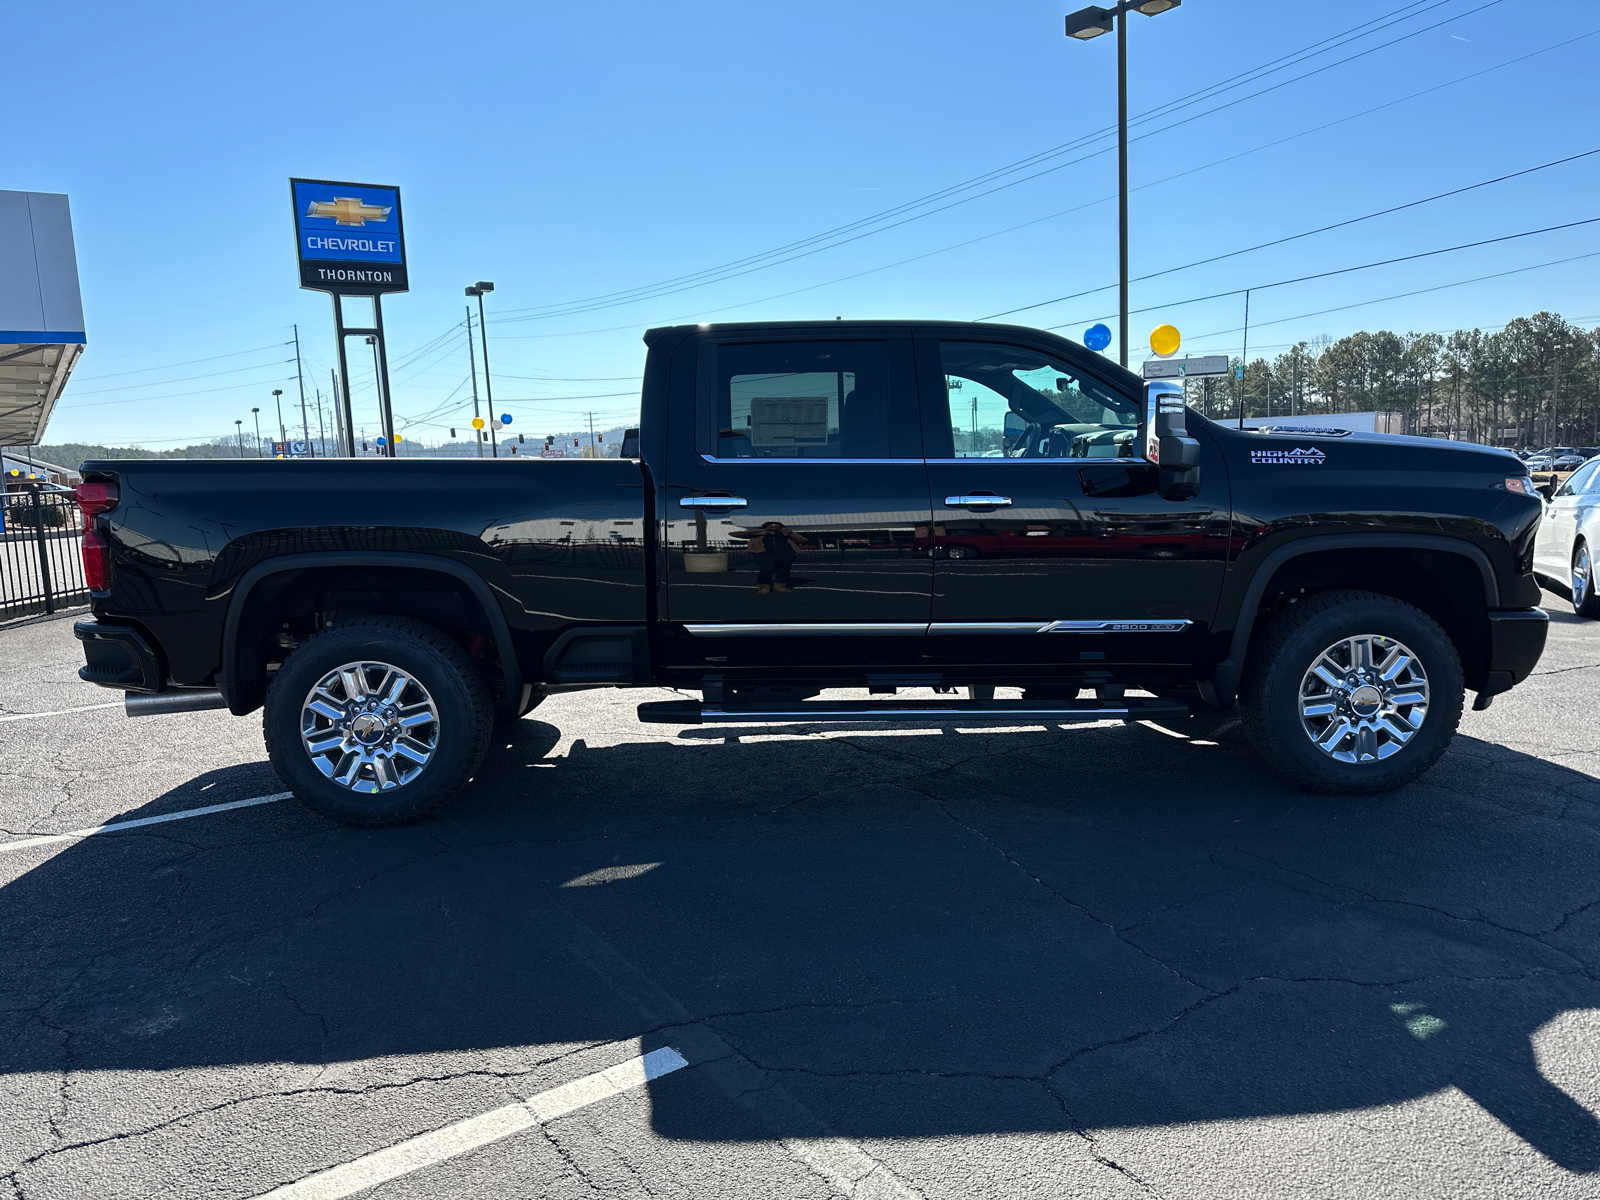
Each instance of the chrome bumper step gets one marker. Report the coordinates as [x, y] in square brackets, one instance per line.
[948, 712]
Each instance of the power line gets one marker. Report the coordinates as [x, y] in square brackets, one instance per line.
[1557, 262]
[182, 379]
[729, 271]
[1382, 212]
[169, 366]
[1261, 287]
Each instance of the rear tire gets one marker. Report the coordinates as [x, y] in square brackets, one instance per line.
[1316, 703]
[379, 721]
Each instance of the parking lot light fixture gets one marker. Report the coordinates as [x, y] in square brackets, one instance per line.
[1089, 23]
[1151, 8]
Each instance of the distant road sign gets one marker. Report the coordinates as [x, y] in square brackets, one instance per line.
[1193, 367]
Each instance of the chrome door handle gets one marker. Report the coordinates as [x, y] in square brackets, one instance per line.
[717, 502]
[977, 501]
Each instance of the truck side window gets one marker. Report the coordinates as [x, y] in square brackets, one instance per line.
[796, 400]
[1015, 402]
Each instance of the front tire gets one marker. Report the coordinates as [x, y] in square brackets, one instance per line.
[378, 721]
[1581, 580]
[1352, 692]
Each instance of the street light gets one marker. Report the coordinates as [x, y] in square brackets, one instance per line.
[256, 412]
[1090, 23]
[283, 431]
[479, 289]
[239, 429]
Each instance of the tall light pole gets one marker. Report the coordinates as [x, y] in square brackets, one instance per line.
[283, 430]
[238, 423]
[472, 365]
[478, 289]
[1089, 23]
[256, 413]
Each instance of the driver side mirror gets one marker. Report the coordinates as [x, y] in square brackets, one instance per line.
[1167, 442]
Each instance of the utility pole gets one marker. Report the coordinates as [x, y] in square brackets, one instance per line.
[305, 425]
[593, 451]
[472, 364]
[256, 413]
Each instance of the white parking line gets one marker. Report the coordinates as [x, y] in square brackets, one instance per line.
[60, 712]
[426, 1149]
[118, 826]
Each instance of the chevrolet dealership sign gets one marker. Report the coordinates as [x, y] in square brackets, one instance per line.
[349, 238]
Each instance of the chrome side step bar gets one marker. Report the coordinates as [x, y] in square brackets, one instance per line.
[948, 712]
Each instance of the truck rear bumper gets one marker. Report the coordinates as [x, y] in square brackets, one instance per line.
[117, 656]
[1516, 640]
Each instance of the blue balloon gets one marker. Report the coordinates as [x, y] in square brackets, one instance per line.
[1097, 337]
[505, 418]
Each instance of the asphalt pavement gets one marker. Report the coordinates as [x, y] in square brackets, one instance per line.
[637, 960]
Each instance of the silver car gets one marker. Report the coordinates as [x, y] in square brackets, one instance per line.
[1568, 542]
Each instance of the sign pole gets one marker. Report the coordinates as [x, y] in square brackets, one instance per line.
[383, 376]
[343, 382]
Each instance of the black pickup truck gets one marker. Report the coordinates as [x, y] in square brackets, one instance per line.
[927, 511]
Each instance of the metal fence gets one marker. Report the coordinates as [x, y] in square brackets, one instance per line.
[41, 563]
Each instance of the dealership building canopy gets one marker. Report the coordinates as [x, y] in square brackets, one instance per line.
[41, 311]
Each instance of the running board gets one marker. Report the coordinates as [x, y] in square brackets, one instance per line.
[950, 712]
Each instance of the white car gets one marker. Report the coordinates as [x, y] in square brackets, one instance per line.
[1568, 542]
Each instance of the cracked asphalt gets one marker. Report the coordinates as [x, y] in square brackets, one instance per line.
[1114, 961]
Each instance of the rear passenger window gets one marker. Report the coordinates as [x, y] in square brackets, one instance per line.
[798, 400]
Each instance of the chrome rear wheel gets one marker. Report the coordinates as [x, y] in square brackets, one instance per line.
[369, 726]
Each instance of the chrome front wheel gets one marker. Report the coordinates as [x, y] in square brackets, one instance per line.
[369, 726]
[1582, 571]
[1363, 698]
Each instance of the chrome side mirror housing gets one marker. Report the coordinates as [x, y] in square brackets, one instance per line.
[1167, 443]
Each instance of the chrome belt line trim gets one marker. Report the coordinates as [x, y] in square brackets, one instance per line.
[981, 627]
[1177, 626]
[782, 629]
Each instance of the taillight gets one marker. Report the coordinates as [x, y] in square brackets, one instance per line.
[95, 498]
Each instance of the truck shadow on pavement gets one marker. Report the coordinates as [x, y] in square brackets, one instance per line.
[914, 934]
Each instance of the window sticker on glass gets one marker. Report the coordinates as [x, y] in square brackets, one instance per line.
[788, 421]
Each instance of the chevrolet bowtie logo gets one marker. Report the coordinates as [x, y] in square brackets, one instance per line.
[347, 210]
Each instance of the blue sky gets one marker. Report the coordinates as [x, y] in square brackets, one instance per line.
[567, 152]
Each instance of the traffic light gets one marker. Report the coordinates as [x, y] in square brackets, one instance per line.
[520, 439]
[452, 433]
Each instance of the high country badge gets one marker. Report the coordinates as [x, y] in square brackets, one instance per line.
[1297, 457]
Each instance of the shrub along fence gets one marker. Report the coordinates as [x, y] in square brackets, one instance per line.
[41, 564]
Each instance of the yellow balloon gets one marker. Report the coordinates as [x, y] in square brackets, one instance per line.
[399, 437]
[1165, 341]
[477, 422]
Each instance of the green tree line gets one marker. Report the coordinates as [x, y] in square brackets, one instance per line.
[1534, 383]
